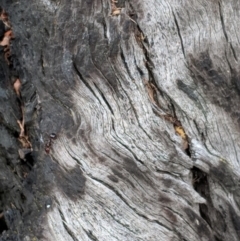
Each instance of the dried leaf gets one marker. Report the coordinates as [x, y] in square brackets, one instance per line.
[116, 12]
[6, 39]
[17, 86]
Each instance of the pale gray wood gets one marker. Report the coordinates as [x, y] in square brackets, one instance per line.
[113, 81]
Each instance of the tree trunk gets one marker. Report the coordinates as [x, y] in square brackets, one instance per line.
[119, 120]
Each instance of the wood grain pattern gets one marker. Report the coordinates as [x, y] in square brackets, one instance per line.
[143, 97]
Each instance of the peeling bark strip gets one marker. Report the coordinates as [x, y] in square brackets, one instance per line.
[127, 114]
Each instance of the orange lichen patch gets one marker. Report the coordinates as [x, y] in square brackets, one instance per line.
[17, 86]
[181, 132]
[152, 93]
[116, 12]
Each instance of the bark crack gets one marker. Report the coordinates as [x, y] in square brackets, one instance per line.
[119, 222]
[42, 63]
[125, 64]
[71, 234]
[84, 81]
[200, 184]
[90, 235]
[131, 207]
[104, 99]
[152, 87]
[135, 157]
[179, 33]
[225, 32]
[136, 115]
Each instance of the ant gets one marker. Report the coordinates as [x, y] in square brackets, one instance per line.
[48, 145]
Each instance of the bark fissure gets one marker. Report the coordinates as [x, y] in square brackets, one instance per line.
[65, 225]
[84, 81]
[179, 33]
[131, 207]
[225, 32]
[152, 87]
[129, 149]
[104, 99]
[42, 64]
[136, 115]
[121, 223]
[207, 211]
[125, 64]
[144, 99]
[90, 235]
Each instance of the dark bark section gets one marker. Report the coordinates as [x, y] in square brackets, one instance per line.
[210, 79]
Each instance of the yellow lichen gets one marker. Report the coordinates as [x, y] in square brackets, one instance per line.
[180, 131]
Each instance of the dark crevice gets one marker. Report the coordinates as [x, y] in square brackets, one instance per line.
[179, 34]
[66, 227]
[218, 239]
[46, 32]
[139, 69]
[125, 64]
[125, 201]
[29, 160]
[42, 64]
[225, 32]
[119, 222]
[154, 87]
[176, 121]
[234, 52]
[143, 44]
[3, 224]
[104, 98]
[90, 235]
[113, 125]
[83, 80]
[228, 62]
[130, 151]
[105, 29]
[137, 118]
[200, 132]
[200, 184]
[199, 180]
[204, 212]
[188, 151]
[222, 21]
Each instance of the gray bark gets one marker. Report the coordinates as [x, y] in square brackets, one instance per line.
[120, 120]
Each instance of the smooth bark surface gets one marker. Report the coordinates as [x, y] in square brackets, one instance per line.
[120, 120]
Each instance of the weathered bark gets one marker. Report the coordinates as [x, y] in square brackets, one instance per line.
[142, 100]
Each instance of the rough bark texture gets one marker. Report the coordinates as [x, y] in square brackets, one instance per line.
[120, 120]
